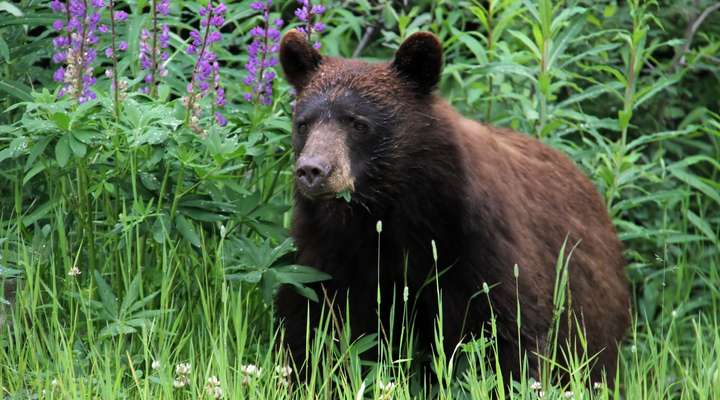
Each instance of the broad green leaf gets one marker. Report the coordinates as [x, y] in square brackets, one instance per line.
[187, 230]
[62, 151]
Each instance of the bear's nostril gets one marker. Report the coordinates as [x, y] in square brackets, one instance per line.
[312, 171]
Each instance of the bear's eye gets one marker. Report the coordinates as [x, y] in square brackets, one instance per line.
[302, 128]
[360, 126]
[357, 124]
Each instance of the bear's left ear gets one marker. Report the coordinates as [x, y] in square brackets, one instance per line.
[298, 58]
[419, 59]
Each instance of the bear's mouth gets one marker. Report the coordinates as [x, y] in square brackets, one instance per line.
[317, 195]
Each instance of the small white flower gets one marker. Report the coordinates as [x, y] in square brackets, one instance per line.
[597, 385]
[536, 385]
[155, 365]
[386, 390]
[213, 388]
[180, 382]
[406, 294]
[283, 371]
[251, 369]
[183, 369]
[74, 272]
[569, 395]
[54, 382]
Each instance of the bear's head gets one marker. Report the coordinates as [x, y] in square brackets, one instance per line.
[351, 117]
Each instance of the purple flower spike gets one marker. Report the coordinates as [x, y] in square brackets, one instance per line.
[306, 13]
[163, 7]
[220, 119]
[206, 72]
[261, 56]
[77, 34]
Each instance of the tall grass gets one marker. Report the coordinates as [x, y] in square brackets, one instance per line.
[135, 245]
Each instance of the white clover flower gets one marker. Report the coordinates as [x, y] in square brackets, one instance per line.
[597, 385]
[213, 388]
[216, 392]
[569, 395]
[250, 371]
[180, 382]
[283, 371]
[74, 272]
[536, 385]
[183, 369]
[386, 390]
[155, 365]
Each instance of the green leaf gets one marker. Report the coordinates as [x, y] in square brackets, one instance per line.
[4, 50]
[702, 226]
[300, 274]
[162, 227]
[62, 151]
[61, 120]
[78, 148]
[696, 182]
[187, 230]
[16, 90]
[10, 9]
[107, 296]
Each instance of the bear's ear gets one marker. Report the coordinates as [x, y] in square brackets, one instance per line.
[419, 59]
[298, 58]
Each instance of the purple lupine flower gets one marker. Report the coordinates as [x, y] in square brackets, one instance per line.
[118, 87]
[220, 119]
[306, 13]
[206, 72]
[261, 56]
[75, 47]
[163, 7]
[153, 47]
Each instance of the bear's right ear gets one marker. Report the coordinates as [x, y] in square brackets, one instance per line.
[298, 58]
[419, 60]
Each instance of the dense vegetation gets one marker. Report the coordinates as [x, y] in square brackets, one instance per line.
[143, 231]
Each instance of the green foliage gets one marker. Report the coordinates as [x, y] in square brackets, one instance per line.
[181, 237]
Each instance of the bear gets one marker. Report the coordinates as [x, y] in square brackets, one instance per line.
[479, 209]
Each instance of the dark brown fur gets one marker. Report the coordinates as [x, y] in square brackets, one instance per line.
[490, 198]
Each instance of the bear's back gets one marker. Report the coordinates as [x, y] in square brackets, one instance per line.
[543, 199]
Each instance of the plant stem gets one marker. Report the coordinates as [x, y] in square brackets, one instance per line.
[261, 71]
[116, 96]
[154, 68]
[192, 95]
[81, 54]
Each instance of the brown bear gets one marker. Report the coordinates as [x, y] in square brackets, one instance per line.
[488, 198]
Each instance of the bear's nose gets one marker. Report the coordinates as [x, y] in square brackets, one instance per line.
[312, 171]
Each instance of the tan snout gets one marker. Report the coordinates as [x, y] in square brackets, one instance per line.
[323, 167]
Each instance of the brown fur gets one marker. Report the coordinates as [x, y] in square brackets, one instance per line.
[490, 198]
